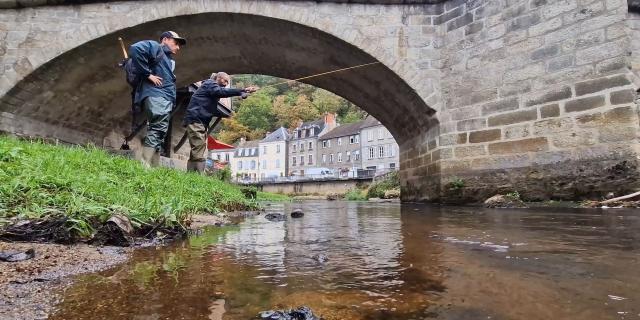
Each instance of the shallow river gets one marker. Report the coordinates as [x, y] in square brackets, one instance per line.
[385, 261]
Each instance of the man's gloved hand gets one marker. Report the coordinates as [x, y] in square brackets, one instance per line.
[251, 89]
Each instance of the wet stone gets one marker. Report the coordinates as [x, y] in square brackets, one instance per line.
[274, 217]
[301, 313]
[297, 213]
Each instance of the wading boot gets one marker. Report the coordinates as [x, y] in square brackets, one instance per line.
[149, 157]
[195, 166]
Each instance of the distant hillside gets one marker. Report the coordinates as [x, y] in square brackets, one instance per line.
[282, 105]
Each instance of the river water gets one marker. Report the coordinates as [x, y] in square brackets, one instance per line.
[384, 261]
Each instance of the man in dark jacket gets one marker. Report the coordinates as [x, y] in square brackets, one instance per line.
[202, 108]
[157, 91]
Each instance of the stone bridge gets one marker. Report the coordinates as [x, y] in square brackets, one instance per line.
[535, 96]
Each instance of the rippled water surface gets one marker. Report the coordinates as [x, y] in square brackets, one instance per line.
[385, 261]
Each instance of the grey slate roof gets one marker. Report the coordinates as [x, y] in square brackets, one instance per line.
[279, 135]
[369, 121]
[318, 124]
[247, 149]
[344, 130]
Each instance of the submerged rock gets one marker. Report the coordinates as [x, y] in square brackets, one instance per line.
[275, 217]
[333, 196]
[297, 213]
[17, 256]
[504, 201]
[320, 258]
[301, 313]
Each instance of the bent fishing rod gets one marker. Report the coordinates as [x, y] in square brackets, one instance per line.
[321, 74]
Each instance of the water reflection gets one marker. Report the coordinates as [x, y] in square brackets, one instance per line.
[385, 261]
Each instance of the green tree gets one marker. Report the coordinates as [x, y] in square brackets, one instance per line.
[256, 111]
[325, 101]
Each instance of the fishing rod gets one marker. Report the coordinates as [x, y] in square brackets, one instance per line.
[321, 74]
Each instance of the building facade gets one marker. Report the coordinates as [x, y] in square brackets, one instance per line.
[340, 151]
[303, 144]
[220, 152]
[245, 165]
[273, 154]
[379, 149]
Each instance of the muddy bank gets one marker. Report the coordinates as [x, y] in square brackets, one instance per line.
[30, 289]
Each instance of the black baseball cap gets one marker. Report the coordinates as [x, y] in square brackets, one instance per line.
[173, 35]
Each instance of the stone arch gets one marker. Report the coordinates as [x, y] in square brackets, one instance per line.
[80, 95]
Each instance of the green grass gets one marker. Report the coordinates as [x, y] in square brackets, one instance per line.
[355, 194]
[88, 185]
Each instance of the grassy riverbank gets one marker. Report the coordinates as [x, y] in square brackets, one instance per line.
[86, 186]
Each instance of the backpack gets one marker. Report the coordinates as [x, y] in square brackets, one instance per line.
[132, 77]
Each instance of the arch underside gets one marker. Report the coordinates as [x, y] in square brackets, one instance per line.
[84, 90]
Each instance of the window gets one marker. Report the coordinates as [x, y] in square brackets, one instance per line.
[393, 150]
[380, 151]
[371, 153]
[307, 133]
[239, 165]
[294, 147]
[339, 141]
[264, 150]
[302, 160]
[264, 164]
[331, 158]
[324, 158]
[392, 165]
[352, 139]
[298, 134]
[218, 157]
[356, 155]
[277, 163]
[328, 143]
[226, 157]
[277, 148]
[339, 156]
[380, 133]
[310, 159]
[293, 161]
[310, 145]
[348, 156]
[357, 139]
[253, 164]
[370, 135]
[301, 147]
[324, 144]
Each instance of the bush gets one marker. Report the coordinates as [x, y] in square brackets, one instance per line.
[223, 174]
[355, 195]
[377, 189]
[392, 194]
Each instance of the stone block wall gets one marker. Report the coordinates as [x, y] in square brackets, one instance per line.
[538, 98]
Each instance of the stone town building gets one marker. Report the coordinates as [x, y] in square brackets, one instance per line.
[273, 154]
[245, 164]
[303, 143]
[379, 149]
[339, 149]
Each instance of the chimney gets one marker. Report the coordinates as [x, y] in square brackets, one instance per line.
[330, 120]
